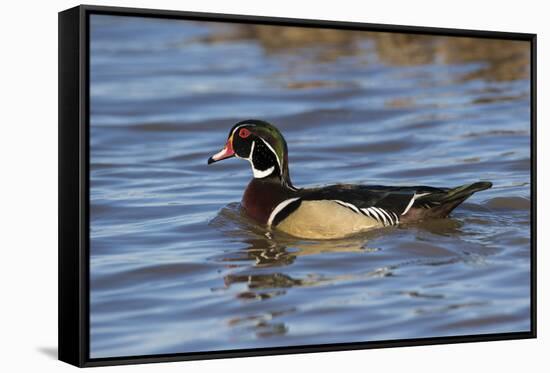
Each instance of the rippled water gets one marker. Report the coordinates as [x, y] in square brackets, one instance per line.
[176, 266]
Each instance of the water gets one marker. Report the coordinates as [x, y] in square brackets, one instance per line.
[176, 266]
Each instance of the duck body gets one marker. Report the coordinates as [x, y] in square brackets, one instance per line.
[328, 212]
[340, 210]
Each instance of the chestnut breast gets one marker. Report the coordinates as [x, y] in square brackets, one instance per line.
[262, 196]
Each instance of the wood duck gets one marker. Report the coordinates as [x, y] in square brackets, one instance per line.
[327, 212]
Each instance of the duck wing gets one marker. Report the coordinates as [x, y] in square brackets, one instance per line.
[383, 203]
[388, 205]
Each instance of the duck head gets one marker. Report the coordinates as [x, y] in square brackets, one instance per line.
[261, 144]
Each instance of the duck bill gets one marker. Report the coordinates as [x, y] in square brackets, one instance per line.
[226, 152]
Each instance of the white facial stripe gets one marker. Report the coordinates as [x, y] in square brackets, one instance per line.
[258, 174]
[274, 153]
[279, 208]
[251, 151]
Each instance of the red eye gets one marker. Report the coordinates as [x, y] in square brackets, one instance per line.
[244, 133]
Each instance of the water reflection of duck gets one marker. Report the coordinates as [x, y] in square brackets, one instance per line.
[276, 249]
[328, 212]
[283, 251]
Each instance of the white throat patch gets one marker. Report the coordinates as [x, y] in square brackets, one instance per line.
[258, 174]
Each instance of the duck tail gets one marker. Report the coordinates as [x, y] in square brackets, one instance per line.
[441, 204]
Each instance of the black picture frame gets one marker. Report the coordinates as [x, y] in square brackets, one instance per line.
[74, 175]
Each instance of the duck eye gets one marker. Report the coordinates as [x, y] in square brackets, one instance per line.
[244, 133]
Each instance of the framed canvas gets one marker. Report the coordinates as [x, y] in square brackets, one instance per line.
[388, 196]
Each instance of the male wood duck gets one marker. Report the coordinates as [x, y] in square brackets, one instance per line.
[333, 211]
